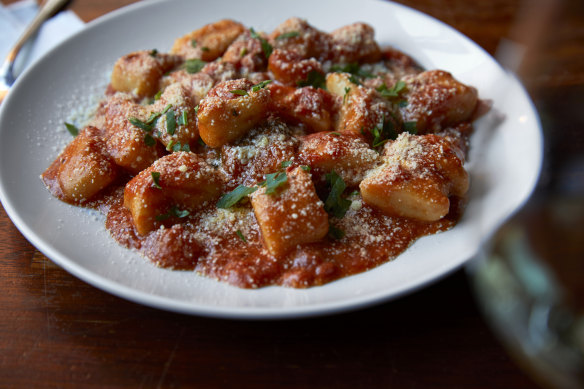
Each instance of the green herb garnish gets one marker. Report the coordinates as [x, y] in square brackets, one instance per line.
[153, 53]
[149, 140]
[170, 122]
[193, 43]
[315, 79]
[274, 181]
[156, 180]
[335, 204]
[239, 92]
[157, 95]
[382, 133]
[266, 47]
[73, 130]
[183, 119]
[287, 35]
[347, 90]
[204, 48]
[194, 65]
[411, 127]
[392, 92]
[285, 164]
[240, 235]
[173, 212]
[335, 233]
[261, 85]
[140, 124]
[228, 200]
[305, 168]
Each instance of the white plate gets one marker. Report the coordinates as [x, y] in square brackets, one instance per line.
[504, 162]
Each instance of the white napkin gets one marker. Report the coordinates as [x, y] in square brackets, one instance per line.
[13, 20]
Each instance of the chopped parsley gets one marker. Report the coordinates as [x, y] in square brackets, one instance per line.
[156, 180]
[260, 85]
[193, 43]
[335, 205]
[288, 35]
[305, 168]
[382, 133]
[411, 127]
[315, 79]
[286, 164]
[157, 95]
[274, 181]
[140, 124]
[183, 119]
[392, 92]
[228, 200]
[243, 52]
[73, 130]
[173, 212]
[352, 68]
[153, 53]
[239, 92]
[170, 122]
[194, 65]
[149, 140]
[176, 147]
[335, 232]
[240, 235]
[347, 90]
[266, 46]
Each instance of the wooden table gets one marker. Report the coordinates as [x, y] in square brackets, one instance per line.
[57, 331]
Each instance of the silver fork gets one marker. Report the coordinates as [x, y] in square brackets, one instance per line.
[7, 78]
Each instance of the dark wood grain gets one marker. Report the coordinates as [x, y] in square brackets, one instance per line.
[57, 331]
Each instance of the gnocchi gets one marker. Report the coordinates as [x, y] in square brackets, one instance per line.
[292, 157]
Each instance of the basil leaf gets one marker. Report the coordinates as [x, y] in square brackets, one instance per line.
[228, 200]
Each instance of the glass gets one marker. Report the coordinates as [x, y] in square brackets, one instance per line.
[529, 277]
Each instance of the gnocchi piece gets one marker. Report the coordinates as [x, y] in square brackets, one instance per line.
[298, 36]
[230, 110]
[362, 108]
[174, 184]
[418, 175]
[177, 125]
[208, 42]
[313, 107]
[347, 153]
[289, 68]
[260, 152]
[197, 85]
[139, 72]
[354, 43]
[82, 170]
[128, 144]
[436, 100]
[246, 53]
[173, 248]
[292, 216]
